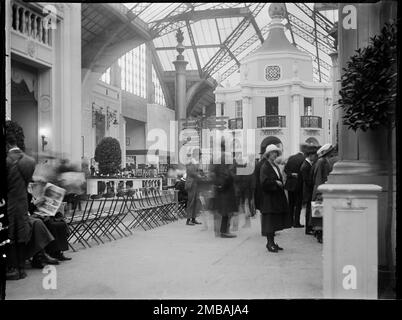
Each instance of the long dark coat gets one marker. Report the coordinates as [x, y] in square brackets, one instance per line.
[294, 184]
[20, 168]
[321, 170]
[273, 204]
[308, 183]
[225, 197]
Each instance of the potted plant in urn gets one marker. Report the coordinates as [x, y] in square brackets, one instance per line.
[368, 99]
[108, 156]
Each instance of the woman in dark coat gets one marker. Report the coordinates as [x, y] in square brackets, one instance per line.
[273, 203]
[225, 197]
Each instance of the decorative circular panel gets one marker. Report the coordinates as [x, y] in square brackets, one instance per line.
[272, 73]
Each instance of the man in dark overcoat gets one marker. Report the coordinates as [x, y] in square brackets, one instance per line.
[294, 185]
[308, 183]
[20, 168]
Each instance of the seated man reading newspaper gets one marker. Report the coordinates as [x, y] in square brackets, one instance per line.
[45, 204]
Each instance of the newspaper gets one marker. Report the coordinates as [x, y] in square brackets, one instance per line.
[51, 197]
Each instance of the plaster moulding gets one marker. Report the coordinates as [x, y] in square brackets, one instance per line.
[271, 132]
[31, 48]
[275, 55]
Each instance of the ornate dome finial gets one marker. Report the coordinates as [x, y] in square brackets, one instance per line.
[277, 10]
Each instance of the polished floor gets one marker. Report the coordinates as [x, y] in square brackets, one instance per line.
[176, 261]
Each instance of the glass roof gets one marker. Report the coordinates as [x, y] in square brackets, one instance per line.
[223, 28]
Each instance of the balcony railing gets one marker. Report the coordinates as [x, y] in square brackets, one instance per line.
[271, 122]
[31, 24]
[311, 122]
[236, 123]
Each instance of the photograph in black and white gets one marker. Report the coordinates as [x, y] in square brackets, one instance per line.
[199, 151]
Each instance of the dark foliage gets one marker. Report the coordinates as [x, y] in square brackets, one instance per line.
[368, 93]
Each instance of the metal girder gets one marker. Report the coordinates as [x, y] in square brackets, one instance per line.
[233, 56]
[323, 63]
[216, 62]
[316, 45]
[289, 24]
[301, 24]
[195, 51]
[240, 49]
[257, 29]
[322, 21]
[207, 14]
[160, 27]
[139, 8]
[322, 77]
[201, 46]
[310, 39]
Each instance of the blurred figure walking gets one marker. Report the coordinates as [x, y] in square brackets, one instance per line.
[193, 178]
[225, 198]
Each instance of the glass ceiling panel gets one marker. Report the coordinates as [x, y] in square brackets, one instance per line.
[206, 33]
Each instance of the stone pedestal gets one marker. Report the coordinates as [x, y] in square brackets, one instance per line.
[350, 240]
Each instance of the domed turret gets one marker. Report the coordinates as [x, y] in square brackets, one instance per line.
[277, 40]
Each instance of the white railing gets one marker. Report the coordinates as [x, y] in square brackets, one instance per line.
[30, 23]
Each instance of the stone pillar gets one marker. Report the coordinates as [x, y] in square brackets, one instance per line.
[8, 21]
[363, 155]
[350, 246]
[115, 75]
[248, 113]
[293, 124]
[335, 97]
[180, 88]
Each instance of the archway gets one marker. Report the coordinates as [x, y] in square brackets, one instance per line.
[270, 140]
[24, 111]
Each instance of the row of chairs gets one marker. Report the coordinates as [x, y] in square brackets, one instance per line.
[99, 218]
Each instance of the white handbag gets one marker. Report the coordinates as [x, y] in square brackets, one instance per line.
[316, 209]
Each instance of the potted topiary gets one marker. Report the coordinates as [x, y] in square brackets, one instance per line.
[368, 99]
[108, 156]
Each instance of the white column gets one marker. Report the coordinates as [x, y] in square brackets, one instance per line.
[70, 71]
[122, 127]
[350, 230]
[247, 113]
[8, 12]
[294, 124]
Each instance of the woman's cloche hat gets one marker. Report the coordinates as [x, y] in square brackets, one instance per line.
[271, 148]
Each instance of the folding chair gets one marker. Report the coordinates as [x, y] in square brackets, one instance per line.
[78, 221]
[158, 210]
[151, 212]
[120, 211]
[137, 211]
[166, 204]
[105, 210]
